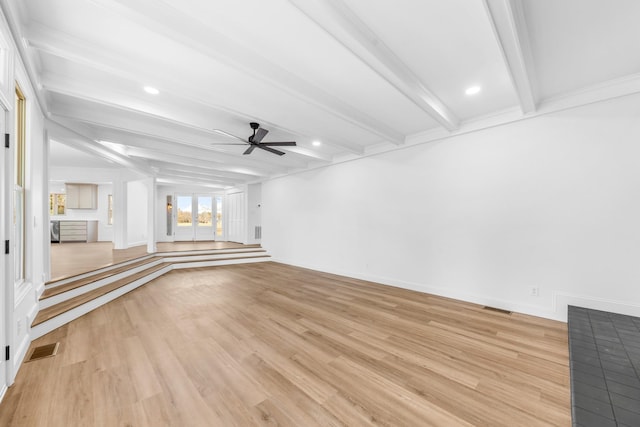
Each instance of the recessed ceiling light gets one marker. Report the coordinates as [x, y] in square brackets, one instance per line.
[473, 90]
[316, 143]
[151, 90]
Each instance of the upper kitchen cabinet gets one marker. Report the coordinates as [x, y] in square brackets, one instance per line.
[82, 196]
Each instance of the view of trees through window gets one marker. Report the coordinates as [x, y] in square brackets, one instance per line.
[184, 217]
[56, 204]
[204, 211]
[185, 211]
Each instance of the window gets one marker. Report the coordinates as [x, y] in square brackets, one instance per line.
[110, 209]
[184, 211]
[204, 211]
[219, 216]
[19, 228]
[57, 203]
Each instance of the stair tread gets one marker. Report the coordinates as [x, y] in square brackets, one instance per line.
[56, 290]
[219, 259]
[49, 313]
[57, 309]
[204, 252]
[51, 291]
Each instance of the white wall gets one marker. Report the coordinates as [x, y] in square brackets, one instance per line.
[254, 211]
[137, 208]
[550, 202]
[19, 299]
[105, 231]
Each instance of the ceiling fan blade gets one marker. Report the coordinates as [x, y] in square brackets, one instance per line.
[226, 143]
[260, 133]
[221, 132]
[280, 143]
[250, 149]
[271, 150]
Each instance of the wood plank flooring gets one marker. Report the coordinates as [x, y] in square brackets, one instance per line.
[69, 259]
[269, 344]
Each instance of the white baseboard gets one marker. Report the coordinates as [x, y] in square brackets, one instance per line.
[557, 310]
[19, 354]
[563, 300]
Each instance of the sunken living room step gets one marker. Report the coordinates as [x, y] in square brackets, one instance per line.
[51, 289]
[53, 311]
[67, 299]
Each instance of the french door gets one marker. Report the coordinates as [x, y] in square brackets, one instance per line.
[195, 217]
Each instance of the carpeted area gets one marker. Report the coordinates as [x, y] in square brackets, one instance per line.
[605, 368]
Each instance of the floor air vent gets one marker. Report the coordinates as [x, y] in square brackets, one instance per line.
[497, 310]
[43, 352]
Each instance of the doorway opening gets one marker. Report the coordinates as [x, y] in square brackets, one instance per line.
[198, 217]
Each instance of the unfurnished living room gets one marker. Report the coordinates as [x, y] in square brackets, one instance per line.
[320, 213]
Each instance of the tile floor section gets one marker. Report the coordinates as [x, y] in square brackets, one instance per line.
[605, 368]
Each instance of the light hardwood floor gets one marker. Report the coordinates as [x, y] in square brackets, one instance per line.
[270, 344]
[69, 259]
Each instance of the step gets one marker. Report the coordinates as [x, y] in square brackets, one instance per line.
[53, 288]
[210, 252]
[65, 280]
[190, 263]
[61, 303]
[217, 256]
[53, 311]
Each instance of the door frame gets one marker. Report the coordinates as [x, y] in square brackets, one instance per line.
[6, 262]
[180, 233]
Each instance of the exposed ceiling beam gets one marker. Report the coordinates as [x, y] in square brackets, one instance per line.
[509, 26]
[337, 19]
[187, 182]
[191, 162]
[166, 20]
[138, 125]
[202, 172]
[170, 148]
[63, 46]
[298, 157]
[14, 12]
[194, 178]
[219, 167]
[70, 137]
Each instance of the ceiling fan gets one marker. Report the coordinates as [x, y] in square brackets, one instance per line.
[255, 140]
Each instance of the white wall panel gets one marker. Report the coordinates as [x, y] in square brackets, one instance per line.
[137, 213]
[551, 202]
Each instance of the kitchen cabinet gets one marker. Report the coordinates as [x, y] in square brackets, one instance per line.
[82, 196]
[78, 231]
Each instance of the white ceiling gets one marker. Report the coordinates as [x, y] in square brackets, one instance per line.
[360, 76]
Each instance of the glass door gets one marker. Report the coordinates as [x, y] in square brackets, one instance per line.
[184, 217]
[204, 229]
[194, 217]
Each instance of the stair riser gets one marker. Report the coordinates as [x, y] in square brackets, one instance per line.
[211, 252]
[92, 273]
[211, 257]
[45, 327]
[66, 317]
[166, 255]
[213, 263]
[53, 300]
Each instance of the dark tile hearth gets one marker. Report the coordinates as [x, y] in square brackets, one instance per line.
[604, 353]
